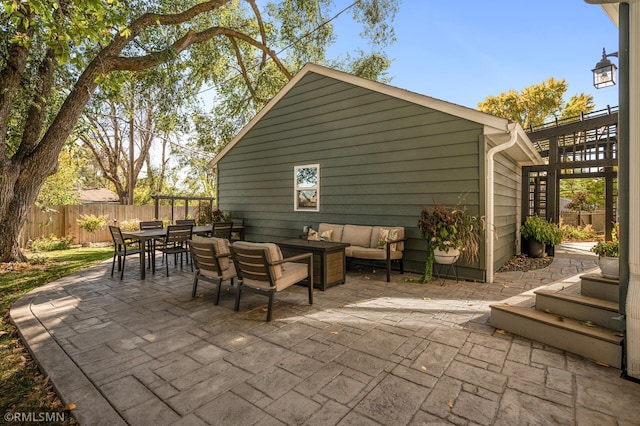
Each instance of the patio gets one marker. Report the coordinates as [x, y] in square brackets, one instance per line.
[366, 352]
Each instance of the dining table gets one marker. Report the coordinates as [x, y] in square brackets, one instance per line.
[151, 234]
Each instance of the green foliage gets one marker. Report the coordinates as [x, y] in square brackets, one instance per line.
[583, 201]
[130, 225]
[542, 231]
[206, 215]
[92, 223]
[578, 233]
[537, 104]
[52, 243]
[595, 186]
[456, 227]
[608, 248]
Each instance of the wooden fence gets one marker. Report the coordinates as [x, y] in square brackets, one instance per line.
[62, 221]
[595, 219]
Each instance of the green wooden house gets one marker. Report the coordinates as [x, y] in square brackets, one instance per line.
[377, 155]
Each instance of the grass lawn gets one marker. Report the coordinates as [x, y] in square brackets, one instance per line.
[22, 387]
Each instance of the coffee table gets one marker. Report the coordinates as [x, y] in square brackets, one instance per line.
[329, 264]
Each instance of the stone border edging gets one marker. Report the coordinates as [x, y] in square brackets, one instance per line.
[70, 383]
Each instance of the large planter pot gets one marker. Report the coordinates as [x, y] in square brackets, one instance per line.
[609, 267]
[533, 248]
[446, 257]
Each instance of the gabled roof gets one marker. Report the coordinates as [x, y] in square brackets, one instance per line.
[495, 127]
[97, 195]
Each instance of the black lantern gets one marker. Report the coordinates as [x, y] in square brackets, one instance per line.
[604, 74]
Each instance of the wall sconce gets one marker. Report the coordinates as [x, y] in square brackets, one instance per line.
[604, 73]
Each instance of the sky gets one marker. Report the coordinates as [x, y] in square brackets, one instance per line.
[465, 50]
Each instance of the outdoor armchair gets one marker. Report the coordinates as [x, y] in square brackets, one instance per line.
[212, 262]
[121, 249]
[262, 269]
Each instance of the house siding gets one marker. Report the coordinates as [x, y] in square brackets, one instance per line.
[381, 159]
[507, 201]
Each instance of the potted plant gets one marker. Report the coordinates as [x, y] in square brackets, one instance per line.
[537, 234]
[607, 252]
[451, 233]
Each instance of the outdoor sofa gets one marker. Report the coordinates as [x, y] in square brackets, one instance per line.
[379, 243]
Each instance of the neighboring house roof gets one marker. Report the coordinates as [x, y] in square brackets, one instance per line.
[97, 195]
[496, 128]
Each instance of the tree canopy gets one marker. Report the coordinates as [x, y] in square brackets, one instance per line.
[537, 104]
[55, 53]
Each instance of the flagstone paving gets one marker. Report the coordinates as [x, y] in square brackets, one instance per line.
[365, 353]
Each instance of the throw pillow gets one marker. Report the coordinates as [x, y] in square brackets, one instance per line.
[387, 235]
[326, 235]
[382, 238]
[313, 235]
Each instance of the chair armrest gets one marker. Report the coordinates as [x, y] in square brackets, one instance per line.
[399, 240]
[293, 258]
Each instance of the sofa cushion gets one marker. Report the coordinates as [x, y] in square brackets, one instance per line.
[273, 254]
[373, 253]
[357, 235]
[336, 236]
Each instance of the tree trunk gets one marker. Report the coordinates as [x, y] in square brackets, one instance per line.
[19, 189]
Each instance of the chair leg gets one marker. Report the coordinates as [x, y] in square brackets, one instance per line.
[215, 302]
[270, 305]
[237, 305]
[113, 264]
[195, 285]
[311, 281]
[388, 270]
[124, 259]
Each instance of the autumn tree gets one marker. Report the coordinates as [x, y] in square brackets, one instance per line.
[537, 104]
[55, 53]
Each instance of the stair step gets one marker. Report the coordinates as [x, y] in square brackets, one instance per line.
[596, 342]
[577, 306]
[594, 285]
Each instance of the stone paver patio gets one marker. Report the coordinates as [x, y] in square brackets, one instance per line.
[365, 353]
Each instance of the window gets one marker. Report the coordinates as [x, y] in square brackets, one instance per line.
[307, 188]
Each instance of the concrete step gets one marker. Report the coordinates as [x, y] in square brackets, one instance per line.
[582, 308]
[579, 337]
[594, 285]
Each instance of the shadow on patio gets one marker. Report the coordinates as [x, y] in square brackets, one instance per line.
[366, 352]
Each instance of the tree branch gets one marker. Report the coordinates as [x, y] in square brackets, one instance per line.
[37, 111]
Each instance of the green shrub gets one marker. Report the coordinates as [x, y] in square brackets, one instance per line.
[52, 243]
[130, 225]
[579, 233]
[542, 231]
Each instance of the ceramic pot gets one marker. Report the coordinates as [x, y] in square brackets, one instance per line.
[446, 257]
[609, 267]
[534, 248]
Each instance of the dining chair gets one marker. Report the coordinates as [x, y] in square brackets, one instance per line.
[152, 244]
[185, 222]
[175, 242]
[222, 230]
[237, 233]
[262, 269]
[212, 262]
[121, 249]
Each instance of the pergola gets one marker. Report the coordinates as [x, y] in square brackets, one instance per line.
[186, 199]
